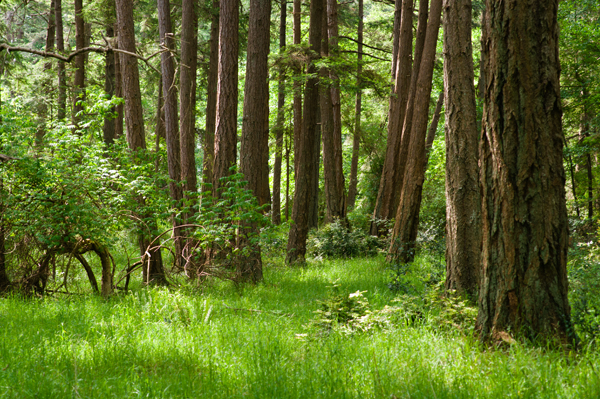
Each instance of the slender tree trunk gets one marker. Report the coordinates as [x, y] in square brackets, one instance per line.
[4, 280]
[296, 248]
[287, 179]
[524, 282]
[584, 133]
[276, 208]
[395, 37]
[433, 127]
[384, 205]
[160, 130]
[47, 83]
[153, 271]
[297, 86]
[463, 209]
[227, 93]
[108, 129]
[211, 101]
[171, 121]
[79, 78]
[118, 91]
[60, 47]
[352, 189]
[407, 216]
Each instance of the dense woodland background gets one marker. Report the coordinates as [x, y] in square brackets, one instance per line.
[196, 140]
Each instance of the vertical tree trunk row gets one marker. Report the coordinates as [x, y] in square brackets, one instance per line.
[211, 100]
[79, 78]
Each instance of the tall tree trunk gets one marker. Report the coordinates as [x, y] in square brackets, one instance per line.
[276, 207]
[153, 271]
[118, 90]
[108, 130]
[524, 282]
[433, 127]
[62, 76]
[395, 37]
[255, 126]
[46, 82]
[211, 101]
[352, 189]
[79, 78]
[4, 280]
[171, 121]
[406, 225]
[297, 14]
[227, 93]
[584, 133]
[463, 208]
[388, 184]
[296, 248]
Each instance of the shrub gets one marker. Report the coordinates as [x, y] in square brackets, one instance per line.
[584, 286]
[337, 241]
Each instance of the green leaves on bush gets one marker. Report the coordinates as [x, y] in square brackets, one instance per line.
[337, 241]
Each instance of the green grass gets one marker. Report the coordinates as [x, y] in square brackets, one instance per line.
[192, 342]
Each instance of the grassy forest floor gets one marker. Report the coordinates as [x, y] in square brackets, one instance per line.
[266, 341]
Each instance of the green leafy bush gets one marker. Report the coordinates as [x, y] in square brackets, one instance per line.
[337, 241]
[584, 286]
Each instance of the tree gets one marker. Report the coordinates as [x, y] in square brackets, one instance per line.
[211, 99]
[406, 225]
[305, 145]
[525, 233]
[134, 120]
[255, 126]
[60, 47]
[463, 209]
[109, 127]
[276, 203]
[79, 78]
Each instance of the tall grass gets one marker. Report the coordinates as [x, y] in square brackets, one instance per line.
[224, 341]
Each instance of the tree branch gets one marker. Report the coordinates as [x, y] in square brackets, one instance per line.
[367, 54]
[366, 45]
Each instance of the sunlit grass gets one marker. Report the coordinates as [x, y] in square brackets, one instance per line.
[256, 341]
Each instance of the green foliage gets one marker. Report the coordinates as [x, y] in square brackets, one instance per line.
[341, 309]
[584, 286]
[335, 240]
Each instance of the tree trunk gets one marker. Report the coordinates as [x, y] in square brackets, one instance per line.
[433, 127]
[296, 248]
[46, 82]
[407, 216]
[384, 205]
[118, 91]
[79, 78]
[169, 90]
[60, 47]
[352, 189]
[211, 101]
[227, 93]
[395, 37]
[108, 130]
[276, 208]
[524, 282]
[255, 126]
[297, 86]
[463, 208]
[153, 271]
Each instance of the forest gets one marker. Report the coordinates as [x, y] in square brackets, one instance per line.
[308, 199]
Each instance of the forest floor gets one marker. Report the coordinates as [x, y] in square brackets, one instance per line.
[268, 341]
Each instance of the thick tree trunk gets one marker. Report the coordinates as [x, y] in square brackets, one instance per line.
[525, 232]
[296, 248]
[79, 78]
[153, 271]
[227, 93]
[463, 198]
[276, 203]
[211, 101]
[407, 216]
[297, 86]
[353, 183]
[60, 47]
[169, 90]
[255, 126]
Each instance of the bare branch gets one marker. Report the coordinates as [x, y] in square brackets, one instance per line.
[366, 45]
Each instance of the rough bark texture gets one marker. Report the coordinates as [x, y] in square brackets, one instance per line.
[60, 47]
[79, 78]
[297, 87]
[407, 216]
[227, 93]
[395, 37]
[153, 272]
[108, 129]
[211, 101]
[388, 184]
[255, 123]
[276, 203]
[525, 233]
[118, 90]
[463, 198]
[296, 248]
[353, 183]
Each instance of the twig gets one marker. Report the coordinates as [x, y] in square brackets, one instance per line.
[367, 54]
[364, 44]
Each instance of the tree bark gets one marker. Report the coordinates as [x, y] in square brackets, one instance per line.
[47, 84]
[118, 90]
[463, 198]
[153, 271]
[227, 93]
[108, 130]
[60, 47]
[433, 127]
[406, 225]
[297, 86]
[211, 101]
[296, 248]
[255, 125]
[79, 78]
[353, 183]
[524, 282]
[276, 207]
